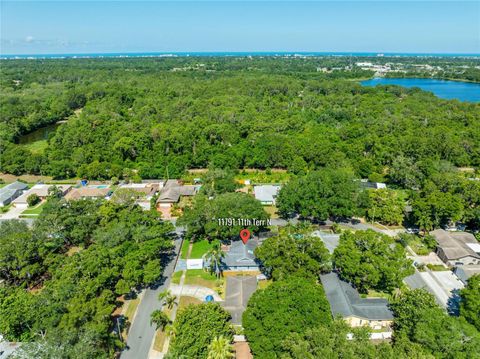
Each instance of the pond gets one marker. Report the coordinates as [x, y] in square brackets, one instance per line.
[39, 134]
[463, 91]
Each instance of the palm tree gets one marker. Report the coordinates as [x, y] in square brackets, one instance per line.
[167, 298]
[160, 319]
[214, 256]
[220, 348]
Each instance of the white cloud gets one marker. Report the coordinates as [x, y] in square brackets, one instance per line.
[29, 38]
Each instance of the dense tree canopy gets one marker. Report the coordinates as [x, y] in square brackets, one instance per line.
[470, 302]
[196, 327]
[202, 219]
[283, 308]
[63, 276]
[419, 319]
[371, 260]
[160, 116]
[320, 195]
[294, 251]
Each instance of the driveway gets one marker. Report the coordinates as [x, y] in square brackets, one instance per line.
[13, 213]
[141, 334]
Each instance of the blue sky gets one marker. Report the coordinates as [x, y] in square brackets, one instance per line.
[40, 27]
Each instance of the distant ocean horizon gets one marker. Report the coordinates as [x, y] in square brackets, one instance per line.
[227, 54]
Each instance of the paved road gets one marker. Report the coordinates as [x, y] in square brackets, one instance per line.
[141, 333]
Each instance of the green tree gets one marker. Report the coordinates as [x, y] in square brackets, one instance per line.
[32, 200]
[371, 260]
[160, 319]
[220, 348]
[470, 302]
[217, 181]
[195, 327]
[214, 258]
[202, 219]
[385, 206]
[320, 195]
[167, 299]
[293, 253]
[280, 310]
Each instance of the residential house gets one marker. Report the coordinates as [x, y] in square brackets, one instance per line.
[457, 248]
[41, 190]
[346, 302]
[266, 194]
[240, 257]
[239, 289]
[92, 192]
[464, 273]
[10, 192]
[171, 193]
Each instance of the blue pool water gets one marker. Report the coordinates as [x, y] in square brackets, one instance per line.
[463, 91]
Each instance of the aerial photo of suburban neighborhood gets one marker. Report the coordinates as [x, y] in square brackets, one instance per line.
[219, 180]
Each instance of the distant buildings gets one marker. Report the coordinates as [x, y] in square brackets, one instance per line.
[457, 248]
[356, 311]
[10, 192]
[266, 194]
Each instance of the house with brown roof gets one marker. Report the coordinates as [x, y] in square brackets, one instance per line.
[171, 193]
[457, 248]
[92, 192]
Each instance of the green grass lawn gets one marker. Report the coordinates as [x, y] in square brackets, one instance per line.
[185, 301]
[419, 247]
[200, 248]
[184, 252]
[37, 147]
[201, 277]
[34, 211]
[176, 277]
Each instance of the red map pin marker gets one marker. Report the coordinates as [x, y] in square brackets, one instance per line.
[245, 235]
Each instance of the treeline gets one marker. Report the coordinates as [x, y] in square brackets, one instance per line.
[61, 280]
[140, 114]
[439, 198]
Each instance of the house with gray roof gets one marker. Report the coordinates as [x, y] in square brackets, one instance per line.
[346, 302]
[11, 191]
[239, 289]
[241, 257]
[457, 248]
[267, 194]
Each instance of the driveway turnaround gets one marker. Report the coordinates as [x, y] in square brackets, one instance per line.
[141, 332]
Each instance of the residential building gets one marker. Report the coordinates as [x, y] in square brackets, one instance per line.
[457, 248]
[41, 190]
[464, 273]
[10, 192]
[241, 257]
[93, 192]
[148, 189]
[266, 194]
[172, 191]
[239, 289]
[346, 302]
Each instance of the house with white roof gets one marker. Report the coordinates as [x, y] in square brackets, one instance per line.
[266, 194]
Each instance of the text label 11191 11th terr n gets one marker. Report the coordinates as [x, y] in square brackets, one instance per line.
[243, 222]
